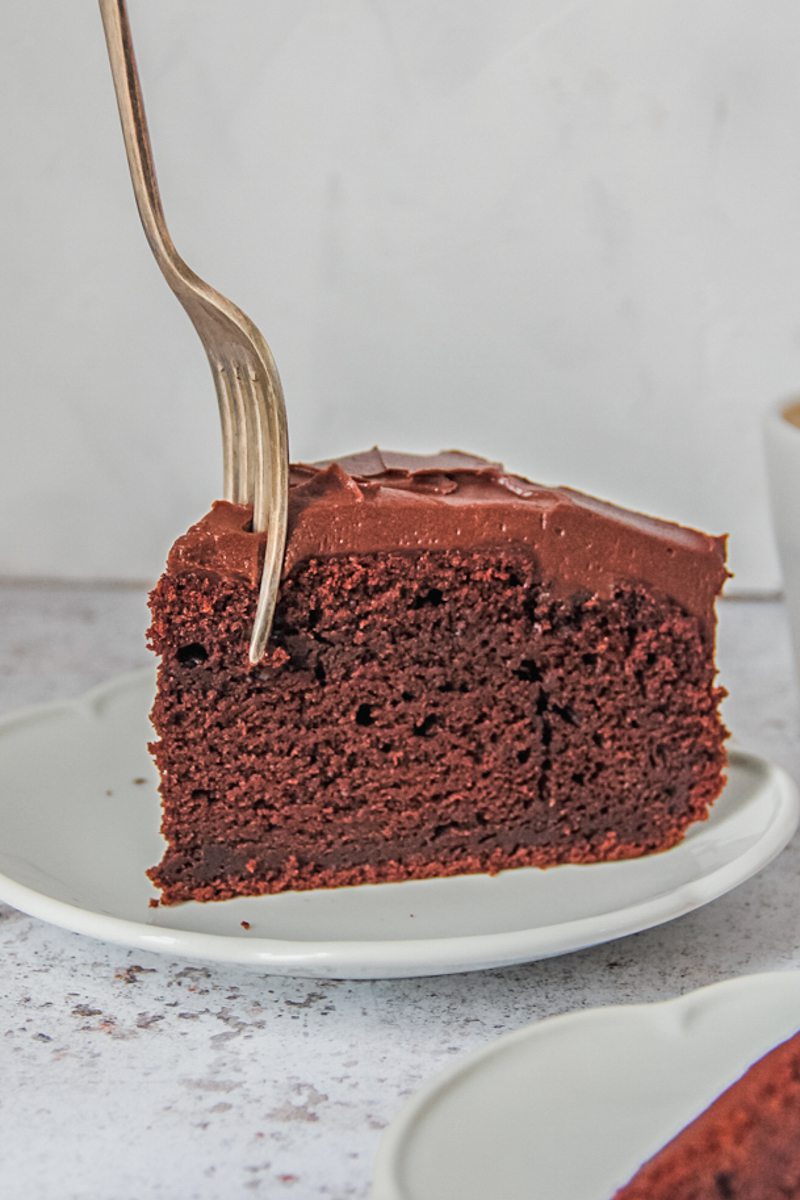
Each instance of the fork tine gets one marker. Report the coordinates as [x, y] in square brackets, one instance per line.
[270, 502]
[229, 423]
[244, 433]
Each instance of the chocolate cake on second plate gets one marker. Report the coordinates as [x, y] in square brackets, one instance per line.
[745, 1146]
[467, 672]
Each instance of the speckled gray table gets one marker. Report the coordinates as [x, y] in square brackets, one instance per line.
[129, 1077]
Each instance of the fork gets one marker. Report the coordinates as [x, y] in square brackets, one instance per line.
[255, 447]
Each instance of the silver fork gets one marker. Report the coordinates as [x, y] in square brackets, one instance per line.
[255, 447]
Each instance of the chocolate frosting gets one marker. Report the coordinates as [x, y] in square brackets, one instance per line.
[378, 500]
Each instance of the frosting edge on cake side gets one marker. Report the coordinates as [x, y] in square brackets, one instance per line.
[380, 500]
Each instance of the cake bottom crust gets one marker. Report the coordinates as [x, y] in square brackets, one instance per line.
[243, 873]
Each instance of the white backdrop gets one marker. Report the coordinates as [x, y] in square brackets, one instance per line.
[561, 234]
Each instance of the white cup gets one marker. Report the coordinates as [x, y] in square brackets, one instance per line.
[782, 439]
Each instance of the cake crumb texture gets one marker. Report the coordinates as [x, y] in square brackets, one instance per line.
[422, 715]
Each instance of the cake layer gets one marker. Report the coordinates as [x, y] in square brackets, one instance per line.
[423, 713]
[380, 501]
[745, 1146]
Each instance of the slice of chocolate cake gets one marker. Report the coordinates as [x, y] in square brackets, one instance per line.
[745, 1146]
[467, 672]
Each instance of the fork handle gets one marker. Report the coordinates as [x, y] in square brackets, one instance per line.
[181, 278]
[128, 90]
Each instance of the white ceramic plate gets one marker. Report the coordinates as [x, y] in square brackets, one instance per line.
[568, 1109]
[77, 833]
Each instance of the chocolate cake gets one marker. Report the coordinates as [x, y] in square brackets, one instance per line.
[745, 1146]
[467, 672]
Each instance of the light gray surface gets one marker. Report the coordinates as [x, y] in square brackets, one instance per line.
[126, 1076]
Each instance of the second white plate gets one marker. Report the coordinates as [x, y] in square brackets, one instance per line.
[79, 818]
[569, 1108]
